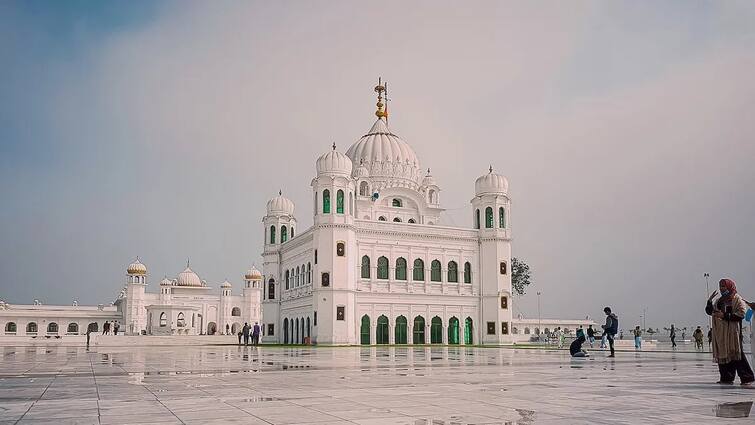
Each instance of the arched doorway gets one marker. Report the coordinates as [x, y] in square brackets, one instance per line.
[212, 328]
[309, 328]
[364, 331]
[93, 327]
[418, 333]
[297, 340]
[453, 331]
[468, 328]
[285, 331]
[381, 333]
[400, 331]
[436, 331]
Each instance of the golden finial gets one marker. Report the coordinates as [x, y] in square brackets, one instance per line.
[380, 89]
[334, 145]
[490, 170]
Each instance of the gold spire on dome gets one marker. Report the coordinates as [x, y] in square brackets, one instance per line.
[380, 89]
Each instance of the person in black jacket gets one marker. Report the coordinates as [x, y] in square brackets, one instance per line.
[610, 328]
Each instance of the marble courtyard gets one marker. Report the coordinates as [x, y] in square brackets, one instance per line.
[360, 385]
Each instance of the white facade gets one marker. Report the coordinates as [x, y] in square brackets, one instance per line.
[378, 265]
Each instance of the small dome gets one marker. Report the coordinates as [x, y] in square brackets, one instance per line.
[136, 268]
[280, 205]
[226, 284]
[166, 282]
[429, 180]
[334, 162]
[188, 278]
[361, 172]
[491, 183]
[253, 274]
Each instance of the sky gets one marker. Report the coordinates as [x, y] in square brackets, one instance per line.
[160, 129]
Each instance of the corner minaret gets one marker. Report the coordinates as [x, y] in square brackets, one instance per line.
[490, 214]
[252, 295]
[279, 226]
[135, 316]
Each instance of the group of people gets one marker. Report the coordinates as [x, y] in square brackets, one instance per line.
[110, 327]
[610, 329]
[250, 333]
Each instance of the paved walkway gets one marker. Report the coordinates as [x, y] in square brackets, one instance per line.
[352, 385]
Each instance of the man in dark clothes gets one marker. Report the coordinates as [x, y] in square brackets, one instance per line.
[256, 334]
[245, 331]
[610, 328]
[240, 335]
[576, 347]
[591, 335]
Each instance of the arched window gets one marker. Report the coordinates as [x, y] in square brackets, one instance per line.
[73, 328]
[396, 220]
[236, 312]
[526, 331]
[435, 271]
[399, 331]
[488, 218]
[288, 276]
[272, 234]
[477, 218]
[271, 289]
[433, 197]
[382, 268]
[418, 273]
[52, 327]
[418, 333]
[339, 201]
[411, 220]
[365, 267]
[381, 218]
[364, 189]
[453, 272]
[351, 204]
[436, 330]
[501, 218]
[181, 321]
[95, 327]
[400, 269]
[10, 327]
[467, 272]
[396, 202]
[326, 201]
[340, 249]
[364, 330]
[284, 234]
[453, 331]
[309, 273]
[297, 276]
[163, 320]
[285, 330]
[468, 331]
[292, 232]
[381, 333]
[31, 327]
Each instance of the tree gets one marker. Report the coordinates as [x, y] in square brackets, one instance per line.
[520, 276]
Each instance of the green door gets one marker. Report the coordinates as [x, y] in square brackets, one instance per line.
[436, 331]
[468, 331]
[418, 332]
[400, 333]
[365, 330]
[453, 331]
[381, 335]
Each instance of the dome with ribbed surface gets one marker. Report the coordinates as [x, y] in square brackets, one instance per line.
[385, 155]
[188, 278]
[253, 274]
[226, 284]
[491, 183]
[136, 268]
[166, 282]
[280, 205]
[334, 162]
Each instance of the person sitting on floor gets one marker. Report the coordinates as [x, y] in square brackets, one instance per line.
[576, 347]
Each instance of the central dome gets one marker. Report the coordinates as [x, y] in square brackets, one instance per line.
[188, 278]
[385, 155]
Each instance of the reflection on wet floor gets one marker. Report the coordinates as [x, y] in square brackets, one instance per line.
[733, 410]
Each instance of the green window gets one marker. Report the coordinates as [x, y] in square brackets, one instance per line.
[382, 268]
[284, 234]
[400, 269]
[381, 333]
[339, 202]
[272, 234]
[435, 271]
[418, 273]
[468, 331]
[364, 331]
[453, 272]
[489, 218]
[436, 331]
[396, 202]
[326, 201]
[365, 267]
[418, 333]
[467, 272]
[453, 331]
[400, 331]
[501, 218]
[477, 219]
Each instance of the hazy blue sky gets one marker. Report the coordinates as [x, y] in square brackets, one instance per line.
[161, 129]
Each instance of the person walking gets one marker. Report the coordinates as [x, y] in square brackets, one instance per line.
[591, 335]
[256, 334]
[611, 328]
[116, 326]
[106, 328]
[697, 335]
[245, 331]
[240, 335]
[672, 335]
[89, 332]
[727, 313]
[637, 338]
[227, 329]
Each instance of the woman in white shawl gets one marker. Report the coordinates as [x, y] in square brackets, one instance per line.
[728, 312]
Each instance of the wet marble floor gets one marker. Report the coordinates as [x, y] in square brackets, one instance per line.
[352, 385]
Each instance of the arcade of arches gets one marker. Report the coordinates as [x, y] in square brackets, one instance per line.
[419, 331]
